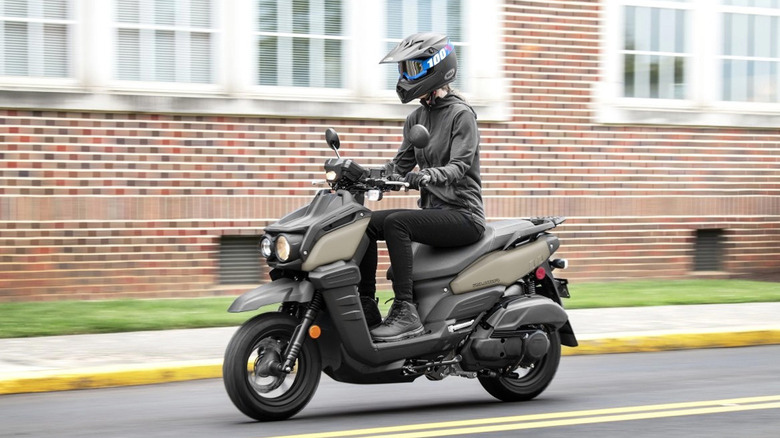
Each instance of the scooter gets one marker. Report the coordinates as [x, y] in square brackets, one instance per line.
[491, 310]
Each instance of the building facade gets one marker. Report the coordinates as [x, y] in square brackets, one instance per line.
[144, 144]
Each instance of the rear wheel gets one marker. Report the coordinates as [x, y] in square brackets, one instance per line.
[250, 376]
[529, 381]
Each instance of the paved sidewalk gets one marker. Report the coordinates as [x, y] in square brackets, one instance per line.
[89, 361]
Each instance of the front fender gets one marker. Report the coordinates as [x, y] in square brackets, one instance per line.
[277, 291]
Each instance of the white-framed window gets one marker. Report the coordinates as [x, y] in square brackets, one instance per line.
[750, 55]
[36, 37]
[330, 49]
[301, 43]
[165, 41]
[697, 62]
[276, 57]
[656, 52]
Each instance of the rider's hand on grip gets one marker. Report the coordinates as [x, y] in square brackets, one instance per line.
[395, 177]
[417, 180]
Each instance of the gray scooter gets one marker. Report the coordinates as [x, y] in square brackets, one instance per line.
[491, 310]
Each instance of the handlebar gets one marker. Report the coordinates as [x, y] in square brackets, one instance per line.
[380, 184]
[396, 183]
[346, 174]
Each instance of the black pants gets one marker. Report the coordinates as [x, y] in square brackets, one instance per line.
[399, 228]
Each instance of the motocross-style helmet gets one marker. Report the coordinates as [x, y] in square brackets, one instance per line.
[426, 62]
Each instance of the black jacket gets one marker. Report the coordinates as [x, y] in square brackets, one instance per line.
[451, 158]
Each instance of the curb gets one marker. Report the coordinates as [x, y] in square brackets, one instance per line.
[668, 341]
[109, 376]
[146, 374]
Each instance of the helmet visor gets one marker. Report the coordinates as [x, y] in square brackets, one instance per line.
[416, 68]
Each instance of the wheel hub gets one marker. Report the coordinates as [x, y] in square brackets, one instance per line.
[267, 376]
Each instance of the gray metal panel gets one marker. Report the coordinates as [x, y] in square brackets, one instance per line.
[501, 267]
[278, 291]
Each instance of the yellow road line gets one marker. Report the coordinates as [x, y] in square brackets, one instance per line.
[580, 421]
[498, 424]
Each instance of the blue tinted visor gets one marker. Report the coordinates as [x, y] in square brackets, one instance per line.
[417, 68]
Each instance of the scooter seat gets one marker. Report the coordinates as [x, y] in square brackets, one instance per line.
[436, 262]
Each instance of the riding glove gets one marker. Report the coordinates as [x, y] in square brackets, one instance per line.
[417, 180]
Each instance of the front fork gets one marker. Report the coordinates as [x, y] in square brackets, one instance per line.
[299, 335]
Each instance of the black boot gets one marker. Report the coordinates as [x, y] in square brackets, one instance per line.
[371, 311]
[402, 322]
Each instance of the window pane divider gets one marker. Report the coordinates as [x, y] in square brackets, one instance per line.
[303, 35]
[141, 26]
[750, 10]
[749, 58]
[37, 20]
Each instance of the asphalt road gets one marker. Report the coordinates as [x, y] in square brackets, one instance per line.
[697, 393]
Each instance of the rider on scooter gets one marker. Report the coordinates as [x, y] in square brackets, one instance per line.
[449, 180]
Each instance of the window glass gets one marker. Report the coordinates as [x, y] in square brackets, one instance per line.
[35, 38]
[165, 41]
[750, 59]
[406, 17]
[655, 52]
[301, 43]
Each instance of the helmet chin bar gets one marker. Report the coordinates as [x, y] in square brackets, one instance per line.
[421, 88]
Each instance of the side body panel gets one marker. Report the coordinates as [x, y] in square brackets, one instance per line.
[339, 244]
[501, 268]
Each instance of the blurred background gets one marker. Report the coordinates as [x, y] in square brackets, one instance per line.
[144, 144]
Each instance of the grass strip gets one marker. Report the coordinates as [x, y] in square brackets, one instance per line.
[26, 319]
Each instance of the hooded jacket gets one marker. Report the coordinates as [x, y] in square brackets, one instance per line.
[451, 158]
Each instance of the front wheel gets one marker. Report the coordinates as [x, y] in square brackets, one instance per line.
[250, 378]
[526, 383]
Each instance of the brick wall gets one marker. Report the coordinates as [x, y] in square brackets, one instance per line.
[108, 205]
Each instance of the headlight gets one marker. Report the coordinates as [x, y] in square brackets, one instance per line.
[282, 248]
[330, 176]
[265, 247]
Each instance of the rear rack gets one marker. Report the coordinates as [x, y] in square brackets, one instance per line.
[542, 224]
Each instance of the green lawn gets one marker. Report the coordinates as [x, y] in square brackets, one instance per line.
[668, 292]
[73, 317]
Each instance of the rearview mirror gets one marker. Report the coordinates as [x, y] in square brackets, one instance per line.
[332, 138]
[419, 136]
